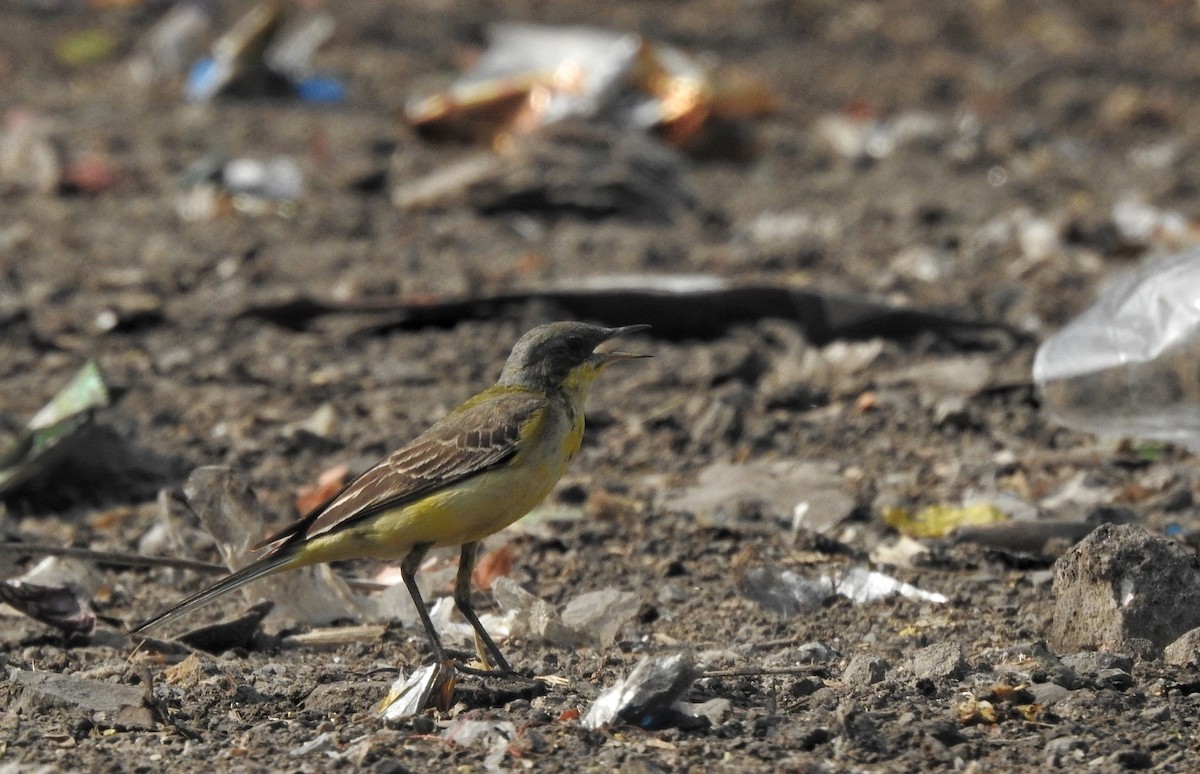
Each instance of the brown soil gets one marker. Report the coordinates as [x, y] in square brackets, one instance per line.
[1052, 111]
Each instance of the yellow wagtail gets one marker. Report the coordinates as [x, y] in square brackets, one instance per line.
[475, 471]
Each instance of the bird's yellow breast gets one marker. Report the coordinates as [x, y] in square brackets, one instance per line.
[472, 509]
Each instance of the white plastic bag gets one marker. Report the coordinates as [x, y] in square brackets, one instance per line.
[1130, 364]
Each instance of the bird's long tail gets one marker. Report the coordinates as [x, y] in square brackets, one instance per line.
[232, 582]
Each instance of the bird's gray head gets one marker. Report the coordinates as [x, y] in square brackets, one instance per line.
[546, 355]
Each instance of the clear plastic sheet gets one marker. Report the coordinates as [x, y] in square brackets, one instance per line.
[1127, 365]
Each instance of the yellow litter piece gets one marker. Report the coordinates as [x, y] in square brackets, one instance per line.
[935, 521]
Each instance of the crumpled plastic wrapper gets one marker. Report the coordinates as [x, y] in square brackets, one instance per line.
[1127, 364]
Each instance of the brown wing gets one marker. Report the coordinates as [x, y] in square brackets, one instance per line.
[476, 437]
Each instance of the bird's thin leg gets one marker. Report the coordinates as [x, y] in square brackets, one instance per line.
[408, 571]
[462, 598]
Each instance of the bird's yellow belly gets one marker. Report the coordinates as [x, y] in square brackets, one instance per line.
[467, 511]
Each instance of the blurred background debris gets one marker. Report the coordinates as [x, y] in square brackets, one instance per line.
[851, 225]
[530, 77]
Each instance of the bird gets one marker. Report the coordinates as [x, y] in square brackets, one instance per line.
[473, 472]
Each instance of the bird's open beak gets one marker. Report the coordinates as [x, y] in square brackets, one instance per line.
[604, 358]
[609, 357]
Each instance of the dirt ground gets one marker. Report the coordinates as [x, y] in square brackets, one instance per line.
[1033, 120]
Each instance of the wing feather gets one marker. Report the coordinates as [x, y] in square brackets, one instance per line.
[472, 439]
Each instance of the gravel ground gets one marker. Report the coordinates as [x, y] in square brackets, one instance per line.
[964, 160]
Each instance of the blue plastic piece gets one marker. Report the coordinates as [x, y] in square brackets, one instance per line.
[323, 89]
[203, 80]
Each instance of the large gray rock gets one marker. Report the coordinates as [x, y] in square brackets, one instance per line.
[1123, 589]
[1184, 651]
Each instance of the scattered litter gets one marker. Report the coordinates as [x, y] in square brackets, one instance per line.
[1143, 225]
[68, 572]
[593, 172]
[292, 54]
[1039, 239]
[863, 585]
[432, 683]
[319, 743]
[59, 606]
[323, 424]
[1125, 590]
[858, 135]
[85, 391]
[648, 697]
[393, 603]
[164, 51]
[531, 616]
[84, 47]
[355, 753]
[1034, 237]
[493, 565]
[51, 434]
[677, 306]
[935, 521]
[335, 636]
[591, 620]
[899, 553]
[278, 179]
[495, 735]
[231, 514]
[598, 616]
[260, 56]
[576, 114]
[996, 704]
[785, 593]
[971, 710]
[237, 64]
[83, 574]
[1032, 537]
[227, 635]
[533, 76]
[216, 186]
[1126, 365]
[309, 497]
[788, 594]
